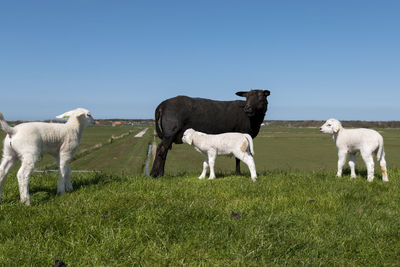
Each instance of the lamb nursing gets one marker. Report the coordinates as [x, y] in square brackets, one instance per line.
[210, 145]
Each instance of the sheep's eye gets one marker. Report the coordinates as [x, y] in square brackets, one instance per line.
[329, 125]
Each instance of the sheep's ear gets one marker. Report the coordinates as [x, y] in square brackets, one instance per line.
[267, 93]
[66, 115]
[244, 94]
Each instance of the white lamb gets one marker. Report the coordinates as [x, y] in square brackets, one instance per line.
[366, 141]
[27, 141]
[211, 145]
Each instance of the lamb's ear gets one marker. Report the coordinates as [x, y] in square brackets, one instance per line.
[335, 127]
[66, 115]
[241, 93]
[190, 137]
[267, 93]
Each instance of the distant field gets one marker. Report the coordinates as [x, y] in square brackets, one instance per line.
[124, 156]
[283, 148]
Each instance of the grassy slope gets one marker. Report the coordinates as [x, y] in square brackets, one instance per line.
[285, 218]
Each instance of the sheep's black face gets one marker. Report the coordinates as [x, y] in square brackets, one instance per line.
[256, 102]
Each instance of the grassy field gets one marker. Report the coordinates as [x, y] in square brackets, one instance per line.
[297, 213]
[283, 148]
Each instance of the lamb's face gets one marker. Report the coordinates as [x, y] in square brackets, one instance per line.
[83, 115]
[331, 126]
[87, 117]
[187, 136]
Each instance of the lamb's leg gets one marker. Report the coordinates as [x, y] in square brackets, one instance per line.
[352, 164]
[212, 155]
[341, 161]
[64, 181]
[369, 162]
[6, 163]
[205, 166]
[382, 163]
[249, 160]
[27, 166]
[67, 178]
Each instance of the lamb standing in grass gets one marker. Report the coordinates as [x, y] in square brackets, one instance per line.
[27, 141]
[211, 145]
[351, 141]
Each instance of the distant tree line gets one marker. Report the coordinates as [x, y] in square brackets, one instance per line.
[349, 124]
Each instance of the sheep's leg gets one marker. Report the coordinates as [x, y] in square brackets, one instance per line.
[237, 166]
[6, 163]
[205, 166]
[212, 155]
[369, 162]
[352, 164]
[27, 166]
[382, 163]
[161, 156]
[249, 160]
[341, 161]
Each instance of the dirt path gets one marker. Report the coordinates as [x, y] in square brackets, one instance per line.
[142, 133]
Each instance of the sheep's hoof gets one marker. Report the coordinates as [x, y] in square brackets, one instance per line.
[69, 189]
[201, 177]
[211, 178]
[26, 202]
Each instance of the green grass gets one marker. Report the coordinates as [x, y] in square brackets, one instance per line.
[285, 218]
[297, 213]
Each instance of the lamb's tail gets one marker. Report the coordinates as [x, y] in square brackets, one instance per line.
[158, 122]
[4, 125]
[381, 152]
[250, 141]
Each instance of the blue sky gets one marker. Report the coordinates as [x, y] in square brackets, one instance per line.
[120, 59]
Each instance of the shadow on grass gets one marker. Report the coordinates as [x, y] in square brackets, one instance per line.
[45, 193]
[218, 175]
[363, 173]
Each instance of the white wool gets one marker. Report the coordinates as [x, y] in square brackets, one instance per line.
[210, 145]
[351, 141]
[27, 141]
